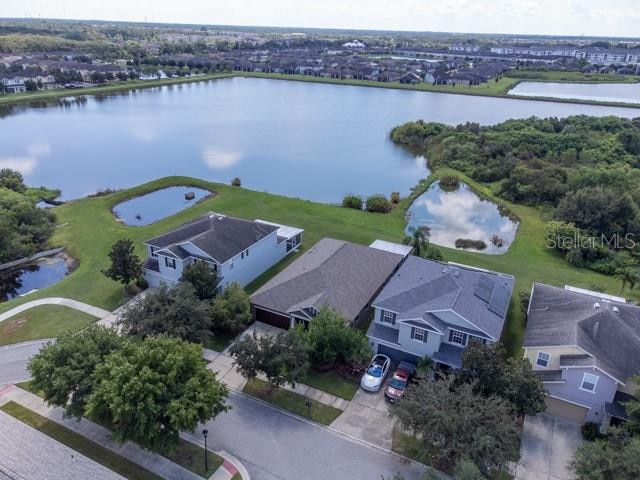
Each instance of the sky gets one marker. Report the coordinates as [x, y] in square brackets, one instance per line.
[545, 17]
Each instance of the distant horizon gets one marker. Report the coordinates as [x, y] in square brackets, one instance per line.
[565, 18]
[295, 28]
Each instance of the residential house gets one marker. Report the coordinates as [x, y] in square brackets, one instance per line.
[239, 250]
[334, 273]
[586, 348]
[13, 83]
[433, 309]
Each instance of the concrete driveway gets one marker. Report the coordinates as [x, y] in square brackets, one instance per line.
[548, 445]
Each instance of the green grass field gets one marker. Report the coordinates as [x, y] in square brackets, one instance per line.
[44, 321]
[291, 401]
[80, 444]
[332, 383]
[89, 229]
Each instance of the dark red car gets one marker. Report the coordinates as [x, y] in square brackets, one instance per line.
[399, 381]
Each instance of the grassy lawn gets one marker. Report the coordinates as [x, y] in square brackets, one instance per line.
[332, 383]
[89, 229]
[77, 442]
[220, 341]
[191, 457]
[291, 401]
[44, 321]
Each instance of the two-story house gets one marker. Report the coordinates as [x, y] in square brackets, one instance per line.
[433, 309]
[586, 348]
[238, 250]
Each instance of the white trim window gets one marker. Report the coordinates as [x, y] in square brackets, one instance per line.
[170, 262]
[543, 359]
[589, 382]
[419, 334]
[388, 317]
[458, 337]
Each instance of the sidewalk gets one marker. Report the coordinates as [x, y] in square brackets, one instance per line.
[151, 461]
[65, 302]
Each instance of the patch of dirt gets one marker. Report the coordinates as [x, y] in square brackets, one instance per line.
[12, 326]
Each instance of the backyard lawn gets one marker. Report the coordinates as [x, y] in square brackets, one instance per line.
[88, 229]
[44, 321]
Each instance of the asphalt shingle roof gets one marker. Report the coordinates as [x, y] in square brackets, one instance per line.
[219, 236]
[559, 317]
[420, 286]
[343, 275]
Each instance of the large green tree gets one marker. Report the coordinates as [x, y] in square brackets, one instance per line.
[148, 391]
[231, 310]
[175, 311]
[282, 358]
[614, 458]
[453, 423]
[203, 278]
[63, 369]
[125, 264]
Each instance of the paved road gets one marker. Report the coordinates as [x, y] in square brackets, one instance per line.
[14, 358]
[273, 445]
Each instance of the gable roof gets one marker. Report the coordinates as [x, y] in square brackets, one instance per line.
[219, 236]
[339, 274]
[559, 317]
[421, 286]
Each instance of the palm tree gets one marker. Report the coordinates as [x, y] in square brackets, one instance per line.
[627, 276]
[419, 239]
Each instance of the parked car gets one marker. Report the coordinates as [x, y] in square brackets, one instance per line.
[376, 372]
[399, 381]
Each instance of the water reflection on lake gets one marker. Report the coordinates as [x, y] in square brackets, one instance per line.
[460, 214]
[34, 276]
[602, 92]
[157, 205]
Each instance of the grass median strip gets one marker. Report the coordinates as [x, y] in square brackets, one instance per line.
[44, 321]
[292, 402]
[332, 383]
[80, 444]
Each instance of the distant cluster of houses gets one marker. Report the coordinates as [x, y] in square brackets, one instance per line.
[594, 55]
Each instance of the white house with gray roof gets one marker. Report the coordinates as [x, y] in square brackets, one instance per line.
[238, 250]
[433, 309]
[585, 346]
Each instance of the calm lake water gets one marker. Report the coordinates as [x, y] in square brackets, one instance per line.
[34, 276]
[604, 92]
[306, 140]
[460, 214]
[157, 205]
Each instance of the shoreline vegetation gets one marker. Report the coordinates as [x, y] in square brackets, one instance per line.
[494, 88]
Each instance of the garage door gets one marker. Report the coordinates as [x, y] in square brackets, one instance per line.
[566, 410]
[271, 318]
[397, 356]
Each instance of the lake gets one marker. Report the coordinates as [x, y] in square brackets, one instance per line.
[313, 141]
[34, 276]
[603, 92]
[157, 205]
[459, 213]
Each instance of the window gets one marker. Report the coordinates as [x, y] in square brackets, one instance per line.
[543, 359]
[231, 264]
[153, 252]
[457, 337]
[245, 253]
[418, 334]
[589, 382]
[170, 262]
[388, 317]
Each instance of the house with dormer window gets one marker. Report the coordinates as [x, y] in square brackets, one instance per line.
[433, 309]
[238, 250]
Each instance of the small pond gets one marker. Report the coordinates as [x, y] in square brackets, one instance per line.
[603, 92]
[33, 276]
[157, 205]
[459, 213]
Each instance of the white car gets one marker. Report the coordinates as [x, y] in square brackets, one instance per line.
[377, 370]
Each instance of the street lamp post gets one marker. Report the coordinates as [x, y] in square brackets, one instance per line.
[205, 432]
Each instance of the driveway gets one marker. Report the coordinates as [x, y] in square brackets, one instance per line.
[548, 445]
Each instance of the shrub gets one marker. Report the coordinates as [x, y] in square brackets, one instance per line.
[497, 241]
[352, 201]
[450, 181]
[468, 243]
[395, 198]
[432, 252]
[378, 204]
[591, 432]
[236, 182]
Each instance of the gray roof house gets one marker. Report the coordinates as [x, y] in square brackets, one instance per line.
[239, 250]
[342, 275]
[433, 309]
[586, 348]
